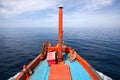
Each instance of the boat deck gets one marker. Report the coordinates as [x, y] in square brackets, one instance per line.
[77, 72]
[41, 72]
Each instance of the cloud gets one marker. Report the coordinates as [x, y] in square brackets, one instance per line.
[14, 7]
[91, 20]
[97, 4]
[88, 4]
[75, 19]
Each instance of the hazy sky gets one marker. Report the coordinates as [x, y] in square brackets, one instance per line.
[43, 13]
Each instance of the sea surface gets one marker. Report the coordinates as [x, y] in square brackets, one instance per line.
[99, 46]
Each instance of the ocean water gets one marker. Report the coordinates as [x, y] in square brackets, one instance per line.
[99, 46]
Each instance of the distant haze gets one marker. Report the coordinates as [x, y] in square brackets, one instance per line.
[43, 13]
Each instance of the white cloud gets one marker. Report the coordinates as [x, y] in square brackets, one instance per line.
[78, 19]
[13, 7]
[97, 4]
[88, 4]
[75, 19]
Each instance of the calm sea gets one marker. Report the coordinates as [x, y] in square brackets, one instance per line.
[99, 46]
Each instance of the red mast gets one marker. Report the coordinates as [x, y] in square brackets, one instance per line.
[60, 33]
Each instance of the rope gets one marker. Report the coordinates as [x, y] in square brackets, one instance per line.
[71, 57]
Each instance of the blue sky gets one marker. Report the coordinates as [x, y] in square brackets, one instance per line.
[43, 13]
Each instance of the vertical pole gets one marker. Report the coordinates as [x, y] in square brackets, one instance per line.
[60, 33]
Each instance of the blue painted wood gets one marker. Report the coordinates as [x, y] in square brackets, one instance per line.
[41, 72]
[77, 71]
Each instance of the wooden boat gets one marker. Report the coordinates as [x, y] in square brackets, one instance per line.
[59, 62]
